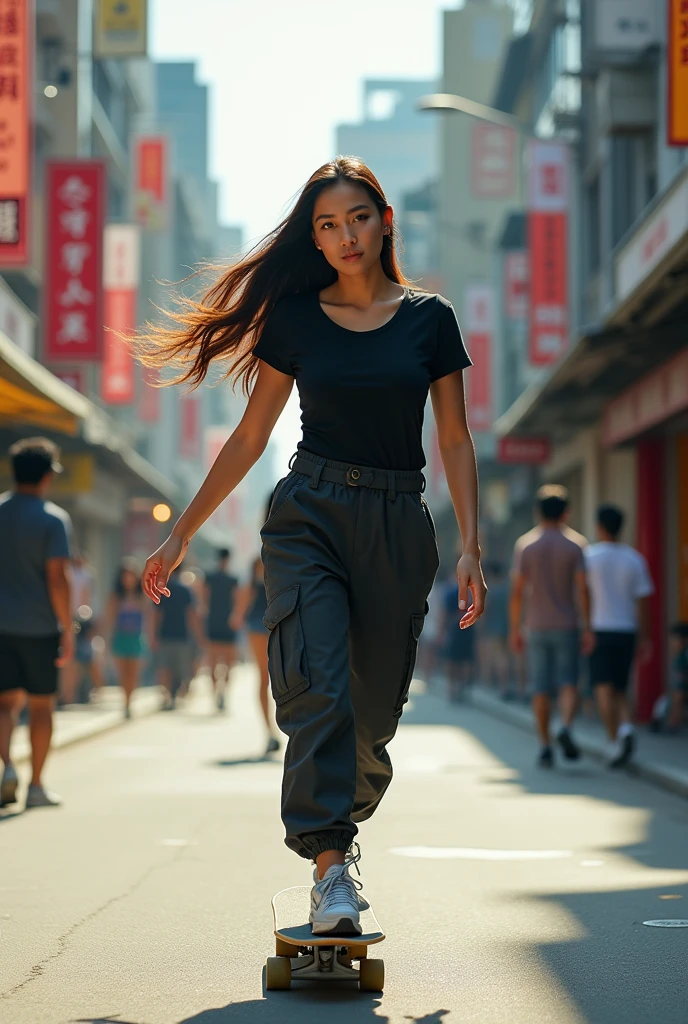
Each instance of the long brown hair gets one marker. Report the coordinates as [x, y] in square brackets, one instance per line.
[226, 323]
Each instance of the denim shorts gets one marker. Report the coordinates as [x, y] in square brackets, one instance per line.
[553, 659]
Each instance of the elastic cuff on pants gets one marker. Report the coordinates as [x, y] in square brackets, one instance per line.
[315, 843]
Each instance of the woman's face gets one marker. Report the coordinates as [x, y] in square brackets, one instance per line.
[348, 228]
[128, 580]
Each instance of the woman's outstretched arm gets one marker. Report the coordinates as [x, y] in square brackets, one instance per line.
[241, 451]
[458, 457]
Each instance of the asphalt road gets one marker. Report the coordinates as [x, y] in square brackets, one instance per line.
[507, 895]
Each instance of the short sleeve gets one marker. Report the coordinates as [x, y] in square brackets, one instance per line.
[58, 538]
[274, 344]
[450, 354]
[642, 584]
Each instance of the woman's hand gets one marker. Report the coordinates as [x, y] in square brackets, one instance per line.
[160, 564]
[470, 577]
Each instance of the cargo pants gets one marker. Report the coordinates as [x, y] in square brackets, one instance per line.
[350, 556]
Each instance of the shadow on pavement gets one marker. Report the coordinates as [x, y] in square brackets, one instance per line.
[300, 1006]
[616, 969]
[235, 762]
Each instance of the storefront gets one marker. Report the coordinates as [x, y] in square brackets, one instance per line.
[105, 479]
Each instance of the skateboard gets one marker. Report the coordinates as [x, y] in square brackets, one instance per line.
[303, 955]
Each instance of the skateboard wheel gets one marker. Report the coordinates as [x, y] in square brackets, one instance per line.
[283, 948]
[357, 952]
[277, 973]
[371, 976]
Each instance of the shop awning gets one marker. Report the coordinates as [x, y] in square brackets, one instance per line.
[32, 397]
[603, 363]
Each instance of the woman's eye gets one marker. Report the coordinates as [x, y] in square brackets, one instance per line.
[327, 224]
[362, 216]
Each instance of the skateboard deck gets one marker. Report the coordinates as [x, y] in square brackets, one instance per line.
[303, 955]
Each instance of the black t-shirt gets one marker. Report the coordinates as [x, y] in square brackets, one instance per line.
[221, 587]
[363, 393]
[172, 611]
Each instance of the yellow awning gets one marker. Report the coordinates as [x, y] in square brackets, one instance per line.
[30, 394]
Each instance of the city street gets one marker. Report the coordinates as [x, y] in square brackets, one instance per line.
[506, 894]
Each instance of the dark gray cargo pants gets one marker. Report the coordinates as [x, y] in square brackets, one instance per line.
[350, 557]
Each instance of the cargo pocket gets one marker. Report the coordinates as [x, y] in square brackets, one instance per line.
[286, 648]
[414, 635]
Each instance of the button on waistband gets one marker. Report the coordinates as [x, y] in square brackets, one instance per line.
[353, 475]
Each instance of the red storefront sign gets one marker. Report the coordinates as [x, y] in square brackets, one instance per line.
[74, 259]
[120, 278]
[655, 398]
[150, 182]
[493, 164]
[16, 93]
[548, 192]
[148, 405]
[479, 321]
[524, 451]
[189, 426]
[516, 285]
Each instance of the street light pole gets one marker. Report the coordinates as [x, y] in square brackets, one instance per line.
[448, 101]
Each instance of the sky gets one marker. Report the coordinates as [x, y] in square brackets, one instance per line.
[283, 74]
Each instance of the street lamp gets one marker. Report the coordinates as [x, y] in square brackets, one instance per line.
[444, 101]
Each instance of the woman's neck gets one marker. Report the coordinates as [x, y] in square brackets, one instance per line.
[364, 289]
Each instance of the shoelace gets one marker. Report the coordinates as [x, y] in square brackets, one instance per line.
[339, 886]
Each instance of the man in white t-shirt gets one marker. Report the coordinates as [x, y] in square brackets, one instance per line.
[620, 588]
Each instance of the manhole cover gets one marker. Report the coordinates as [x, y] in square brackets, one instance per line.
[671, 923]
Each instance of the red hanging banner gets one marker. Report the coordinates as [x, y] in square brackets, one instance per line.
[479, 322]
[121, 279]
[16, 92]
[548, 196]
[75, 192]
[189, 427]
[148, 406]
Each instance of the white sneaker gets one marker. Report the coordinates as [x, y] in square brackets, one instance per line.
[334, 899]
[8, 786]
[38, 796]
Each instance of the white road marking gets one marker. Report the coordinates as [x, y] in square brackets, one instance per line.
[467, 853]
[670, 923]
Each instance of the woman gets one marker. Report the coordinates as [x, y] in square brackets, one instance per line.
[125, 619]
[348, 547]
[251, 605]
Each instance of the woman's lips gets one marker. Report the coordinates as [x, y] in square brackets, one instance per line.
[351, 257]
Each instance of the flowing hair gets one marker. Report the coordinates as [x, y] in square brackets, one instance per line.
[227, 322]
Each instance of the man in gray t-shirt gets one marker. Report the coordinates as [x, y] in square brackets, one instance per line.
[549, 571]
[36, 636]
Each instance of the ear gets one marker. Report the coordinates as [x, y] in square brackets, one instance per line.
[316, 244]
[387, 220]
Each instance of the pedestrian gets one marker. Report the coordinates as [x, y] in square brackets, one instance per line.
[458, 645]
[549, 571]
[177, 633]
[494, 632]
[125, 628]
[251, 605]
[349, 546]
[86, 662]
[620, 589]
[219, 592]
[35, 609]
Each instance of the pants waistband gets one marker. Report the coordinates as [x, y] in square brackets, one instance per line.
[391, 480]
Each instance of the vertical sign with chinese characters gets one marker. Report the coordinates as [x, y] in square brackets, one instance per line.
[189, 426]
[148, 404]
[677, 70]
[493, 164]
[479, 322]
[548, 196]
[121, 271]
[150, 198]
[16, 89]
[516, 285]
[74, 261]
